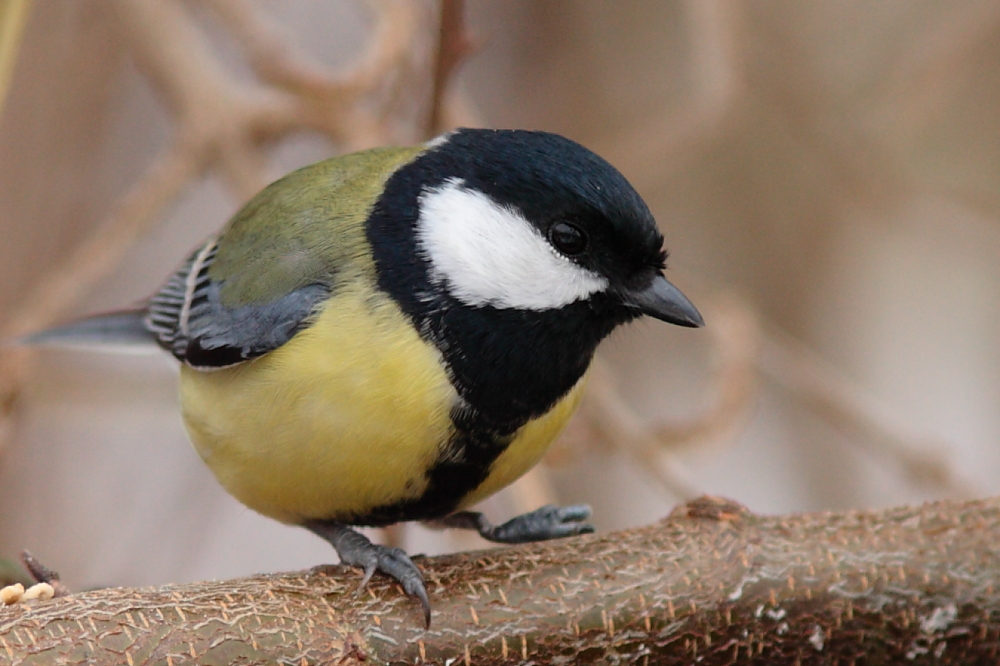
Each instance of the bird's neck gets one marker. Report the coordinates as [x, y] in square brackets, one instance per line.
[511, 366]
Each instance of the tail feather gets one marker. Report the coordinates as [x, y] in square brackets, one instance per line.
[123, 332]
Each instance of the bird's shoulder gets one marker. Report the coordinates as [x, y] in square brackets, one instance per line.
[249, 289]
[304, 228]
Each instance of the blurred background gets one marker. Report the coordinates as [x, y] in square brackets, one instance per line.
[827, 176]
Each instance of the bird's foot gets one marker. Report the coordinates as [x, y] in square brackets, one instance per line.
[548, 522]
[356, 550]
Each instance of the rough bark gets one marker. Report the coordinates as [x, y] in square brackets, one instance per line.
[711, 584]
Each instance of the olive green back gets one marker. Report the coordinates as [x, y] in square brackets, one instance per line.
[306, 228]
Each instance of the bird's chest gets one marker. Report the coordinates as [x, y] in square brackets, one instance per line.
[356, 419]
[348, 415]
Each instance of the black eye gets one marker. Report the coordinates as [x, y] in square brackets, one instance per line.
[568, 238]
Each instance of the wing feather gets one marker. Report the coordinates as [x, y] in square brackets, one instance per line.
[189, 320]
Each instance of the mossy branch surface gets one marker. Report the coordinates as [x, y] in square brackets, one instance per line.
[712, 584]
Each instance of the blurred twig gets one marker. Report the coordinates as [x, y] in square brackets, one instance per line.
[856, 163]
[668, 141]
[849, 407]
[383, 99]
[934, 73]
[926, 78]
[735, 337]
[454, 46]
[745, 348]
[13, 19]
[654, 150]
[735, 340]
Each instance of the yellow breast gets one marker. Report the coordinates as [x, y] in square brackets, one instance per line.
[347, 416]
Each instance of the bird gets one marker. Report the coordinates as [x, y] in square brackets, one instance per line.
[396, 334]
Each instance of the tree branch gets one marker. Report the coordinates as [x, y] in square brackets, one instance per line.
[712, 583]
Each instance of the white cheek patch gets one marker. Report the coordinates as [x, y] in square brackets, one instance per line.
[487, 254]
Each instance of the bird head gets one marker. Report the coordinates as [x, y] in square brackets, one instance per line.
[513, 219]
[516, 252]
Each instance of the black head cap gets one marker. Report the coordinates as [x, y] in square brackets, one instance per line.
[585, 207]
[550, 180]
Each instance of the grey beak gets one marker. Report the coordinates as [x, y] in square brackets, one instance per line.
[665, 302]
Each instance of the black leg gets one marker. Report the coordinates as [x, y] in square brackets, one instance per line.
[356, 550]
[549, 522]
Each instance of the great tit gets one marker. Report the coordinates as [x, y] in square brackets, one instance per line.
[396, 334]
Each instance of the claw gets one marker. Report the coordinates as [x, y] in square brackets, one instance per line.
[548, 522]
[356, 550]
[420, 593]
[370, 570]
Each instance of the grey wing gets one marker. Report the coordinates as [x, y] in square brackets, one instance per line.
[190, 321]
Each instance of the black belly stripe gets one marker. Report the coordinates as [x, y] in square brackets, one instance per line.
[463, 465]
